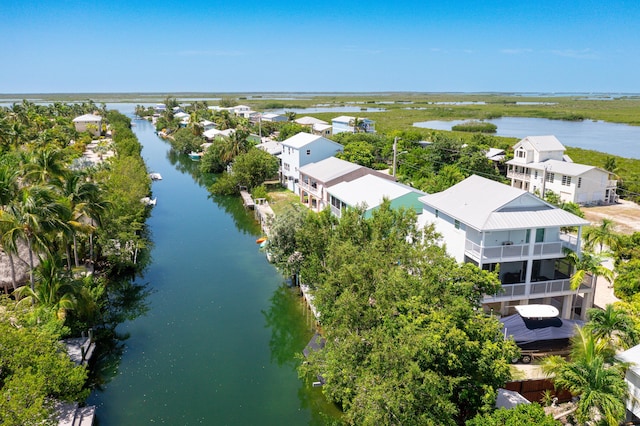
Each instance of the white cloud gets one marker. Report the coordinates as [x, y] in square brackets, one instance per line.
[518, 51]
[579, 54]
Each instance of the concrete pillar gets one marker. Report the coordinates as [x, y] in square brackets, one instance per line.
[567, 306]
[587, 301]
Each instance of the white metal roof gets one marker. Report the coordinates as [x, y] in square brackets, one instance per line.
[370, 190]
[87, 118]
[557, 166]
[487, 205]
[328, 169]
[543, 143]
[321, 127]
[306, 121]
[301, 139]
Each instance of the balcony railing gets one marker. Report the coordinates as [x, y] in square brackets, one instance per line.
[536, 290]
[310, 188]
[509, 251]
[518, 175]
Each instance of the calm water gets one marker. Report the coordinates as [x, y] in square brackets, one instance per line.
[219, 341]
[612, 138]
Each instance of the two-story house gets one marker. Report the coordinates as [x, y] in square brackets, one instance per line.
[345, 123]
[300, 150]
[88, 122]
[539, 165]
[317, 126]
[316, 178]
[498, 227]
[369, 191]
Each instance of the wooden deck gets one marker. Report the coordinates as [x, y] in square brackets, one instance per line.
[247, 200]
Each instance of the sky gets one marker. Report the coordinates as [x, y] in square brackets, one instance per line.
[319, 46]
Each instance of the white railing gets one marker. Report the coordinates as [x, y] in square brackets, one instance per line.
[336, 211]
[508, 251]
[309, 188]
[536, 290]
[518, 175]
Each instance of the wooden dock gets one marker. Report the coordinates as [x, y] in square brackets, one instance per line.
[246, 199]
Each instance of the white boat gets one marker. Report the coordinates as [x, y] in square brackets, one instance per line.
[147, 201]
[155, 176]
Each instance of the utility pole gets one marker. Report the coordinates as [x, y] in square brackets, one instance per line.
[395, 154]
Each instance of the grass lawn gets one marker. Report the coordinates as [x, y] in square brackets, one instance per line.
[281, 198]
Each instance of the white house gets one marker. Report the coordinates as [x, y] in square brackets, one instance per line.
[496, 226]
[273, 117]
[207, 125]
[317, 126]
[88, 122]
[300, 150]
[539, 165]
[211, 134]
[369, 191]
[316, 178]
[632, 377]
[345, 123]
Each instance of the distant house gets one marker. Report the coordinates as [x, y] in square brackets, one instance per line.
[317, 126]
[300, 150]
[88, 122]
[207, 125]
[369, 191]
[498, 227]
[540, 165]
[276, 118]
[346, 123]
[632, 377]
[211, 134]
[317, 178]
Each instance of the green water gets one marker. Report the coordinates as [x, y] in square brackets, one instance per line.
[219, 342]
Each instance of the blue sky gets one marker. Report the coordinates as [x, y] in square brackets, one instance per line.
[290, 46]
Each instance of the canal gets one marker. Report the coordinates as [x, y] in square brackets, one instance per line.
[219, 341]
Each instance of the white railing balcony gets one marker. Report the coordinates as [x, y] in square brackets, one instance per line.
[537, 290]
[510, 252]
[336, 211]
[518, 175]
[310, 188]
[612, 183]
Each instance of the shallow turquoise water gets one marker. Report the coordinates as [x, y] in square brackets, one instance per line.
[219, 341]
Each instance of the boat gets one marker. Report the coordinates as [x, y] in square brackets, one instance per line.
[155, 176]
[195, 156]
[147, 201]
[261, 240]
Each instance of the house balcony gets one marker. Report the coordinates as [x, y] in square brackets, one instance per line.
[525, 177]
[536, 290]
[612, 184]
[311, 188]
[509, 252]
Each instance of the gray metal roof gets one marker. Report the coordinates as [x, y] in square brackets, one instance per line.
[370, 190]
[487, 205]
[307, 121]
[302, 139]
[328, 169]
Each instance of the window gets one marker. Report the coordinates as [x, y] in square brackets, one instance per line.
[308, 152]
[286, 166]
[566, 180]
[539, 235]
[456, 223]
[535, 174]
[520, 153]
[550, 177]
[579, 182]
[437, 213]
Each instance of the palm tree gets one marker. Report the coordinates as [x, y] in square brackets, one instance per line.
[356, 123]
[593, 376]
[35, 213]
[83, 202]
[612, 324]
[45, 166]
[602, 235]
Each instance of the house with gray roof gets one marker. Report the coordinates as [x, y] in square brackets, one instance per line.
[300, 150]
[346, 123]
[501, 228]
[369, 192]
[539, 165]
[317, 178]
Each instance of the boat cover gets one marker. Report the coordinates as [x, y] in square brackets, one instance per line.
[527, 330]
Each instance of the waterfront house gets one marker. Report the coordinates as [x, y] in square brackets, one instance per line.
[300, 150]
[499, 227]
[539, 165]
[345, 123]
[273, 117]
[211, 134]
[88, 122]
[317, 126]
[369, 191]
[316, 178]
[207, 125]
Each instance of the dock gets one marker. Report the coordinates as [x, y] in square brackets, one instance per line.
[80, 349]
[246, 199]
[308, 297]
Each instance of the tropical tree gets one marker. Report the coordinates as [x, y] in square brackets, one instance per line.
[35, 213]
[45, 166]
[587, 264]
[601, 235]
[593, 376]
[613, 325]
